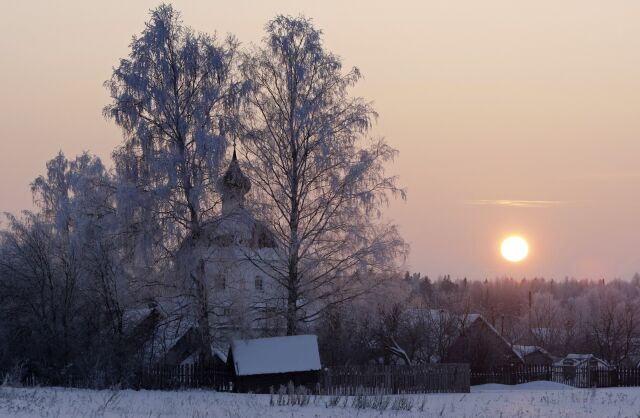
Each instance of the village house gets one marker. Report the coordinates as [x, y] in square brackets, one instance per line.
[464, 338]
[185, 351]
[481, 345]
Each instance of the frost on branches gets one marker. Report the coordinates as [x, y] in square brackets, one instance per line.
[319, 178]
[176, 101]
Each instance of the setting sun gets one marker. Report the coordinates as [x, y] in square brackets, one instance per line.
[514, 249]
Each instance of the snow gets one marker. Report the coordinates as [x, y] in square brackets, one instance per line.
[523, 402]
[276, 355]
[221, 355]
[524, 350]
[581, 360]
[536, 385]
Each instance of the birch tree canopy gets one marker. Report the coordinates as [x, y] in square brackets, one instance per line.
[176, 100]
[318, 175]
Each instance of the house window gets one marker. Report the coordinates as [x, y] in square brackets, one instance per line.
[226, 311]
[259, 284]
[221, 281]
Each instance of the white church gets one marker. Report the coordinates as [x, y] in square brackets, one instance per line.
[244, 302]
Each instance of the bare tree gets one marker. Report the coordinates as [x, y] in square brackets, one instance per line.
[319, 179]
[48, 266]
[31, 290]
[612, 323]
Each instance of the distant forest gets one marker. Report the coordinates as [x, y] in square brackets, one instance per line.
[562, 316]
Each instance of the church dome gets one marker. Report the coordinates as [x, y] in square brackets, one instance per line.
[234, 183]
[236, 227]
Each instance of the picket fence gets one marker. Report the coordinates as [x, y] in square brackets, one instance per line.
[580, 377]
[196, 375]
[378, 379]
[346, 380]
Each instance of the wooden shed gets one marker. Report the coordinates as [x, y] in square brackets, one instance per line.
[262, 364]
[583, 361]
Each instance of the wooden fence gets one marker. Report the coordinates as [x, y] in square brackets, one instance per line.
[356, 380]
[580, 377]
[377, 380]
[374, 379]
[197, 375]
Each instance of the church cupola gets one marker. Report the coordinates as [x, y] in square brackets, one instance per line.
[233, 186]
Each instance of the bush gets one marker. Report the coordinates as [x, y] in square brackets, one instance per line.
[14, 377]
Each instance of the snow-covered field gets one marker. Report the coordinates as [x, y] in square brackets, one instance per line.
[536, 399]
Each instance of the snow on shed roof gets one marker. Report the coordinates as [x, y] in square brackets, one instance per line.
[580, 360]
[296, 353]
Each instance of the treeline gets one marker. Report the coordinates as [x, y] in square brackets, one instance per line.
[402, 322]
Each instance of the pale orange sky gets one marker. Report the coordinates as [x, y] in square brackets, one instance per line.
[489, 102]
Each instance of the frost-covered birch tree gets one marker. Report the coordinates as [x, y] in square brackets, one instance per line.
[319, 177]
[175, 99]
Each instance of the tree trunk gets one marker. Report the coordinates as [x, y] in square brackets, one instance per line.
[294, 244]
[203, 311]
[292, 314]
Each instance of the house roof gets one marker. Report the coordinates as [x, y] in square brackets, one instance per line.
[220, 354]
[574, 356]
[580, 360]
[195, 356]
[524, 350]
[297, 353]
[460, 321]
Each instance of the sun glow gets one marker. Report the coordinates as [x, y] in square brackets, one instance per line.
[514, 249]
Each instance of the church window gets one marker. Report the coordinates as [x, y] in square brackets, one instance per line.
[221, 281]
[259, 284]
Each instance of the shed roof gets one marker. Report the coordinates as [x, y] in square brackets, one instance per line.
[298, 353]
[580, 360]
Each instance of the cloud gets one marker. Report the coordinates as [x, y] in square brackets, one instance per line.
[517, 203]
[606, 175]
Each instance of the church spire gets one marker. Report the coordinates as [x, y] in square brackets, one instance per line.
[233, 185]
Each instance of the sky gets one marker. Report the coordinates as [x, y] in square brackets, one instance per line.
[510, 117]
